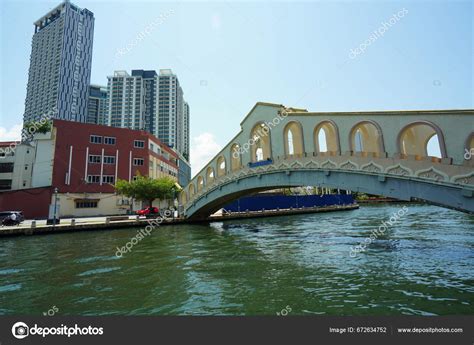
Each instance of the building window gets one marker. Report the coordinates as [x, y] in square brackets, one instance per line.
[139, 144]
[138, 162]
[86, 203]
[121, 202]
[109, 140]
[6, 167]
[93, 178]
[95, 139]
[5, 184]
[108, 179]
[94, 159]
[109, 159]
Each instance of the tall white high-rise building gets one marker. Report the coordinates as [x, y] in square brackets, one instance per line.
[152, 102]
[125, 101]
[170, 109]
[60, 64]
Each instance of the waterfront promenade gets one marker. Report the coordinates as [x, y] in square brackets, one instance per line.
[30, 227]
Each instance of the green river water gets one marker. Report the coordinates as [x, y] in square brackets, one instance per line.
[295, 265]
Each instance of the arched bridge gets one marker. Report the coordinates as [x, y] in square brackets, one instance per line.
[401, 154]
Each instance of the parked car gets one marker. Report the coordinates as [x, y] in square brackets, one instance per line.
[11, 217]
[149, 211]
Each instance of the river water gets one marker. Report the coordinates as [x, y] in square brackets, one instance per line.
[295, 265]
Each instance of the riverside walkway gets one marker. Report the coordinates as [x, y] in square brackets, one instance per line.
[28, 228]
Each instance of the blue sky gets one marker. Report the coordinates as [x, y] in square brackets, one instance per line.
[230, 55]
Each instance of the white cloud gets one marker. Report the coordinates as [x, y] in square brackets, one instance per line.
[12, 134]
[203, 148]
[216, 21]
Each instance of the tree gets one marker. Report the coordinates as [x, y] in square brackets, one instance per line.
[147, 189]
[30, 128]
[38, 127]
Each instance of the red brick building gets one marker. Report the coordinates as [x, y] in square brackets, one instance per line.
[83, 161]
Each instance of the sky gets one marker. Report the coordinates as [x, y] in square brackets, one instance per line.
[228, 55]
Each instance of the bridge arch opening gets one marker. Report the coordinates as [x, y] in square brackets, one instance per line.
[293, 139]
[200, 183]
[421, 139]
[221, 166]
[183, 197]
[471, 141]
[209, 175]
[326, 138]
[191, 190]
[399, 187]
[235, 157]
[366, 138]
[259, 143]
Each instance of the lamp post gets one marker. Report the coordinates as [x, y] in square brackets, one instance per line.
[55, 206]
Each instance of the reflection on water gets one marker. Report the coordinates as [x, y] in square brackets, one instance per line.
[422, 265]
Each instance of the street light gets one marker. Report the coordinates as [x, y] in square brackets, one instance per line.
[55, 206]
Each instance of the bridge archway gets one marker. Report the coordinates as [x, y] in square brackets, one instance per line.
[326, 137]
[191, 190]
[260, 142]
[470, 142]
[422, 139]
[396, 187]
[293, 139]
[366, 138]
[209, 175]
[221, 166]
[183, 197]
[200, 183]
[235, 157]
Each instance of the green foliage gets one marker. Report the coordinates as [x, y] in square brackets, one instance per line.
[360, 196]
[37, 127]
[148, 189]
